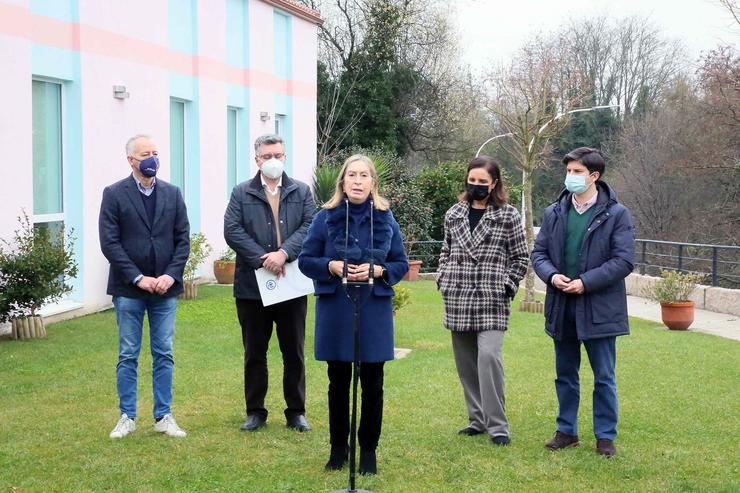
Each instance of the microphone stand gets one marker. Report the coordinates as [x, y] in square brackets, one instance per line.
[354, 290]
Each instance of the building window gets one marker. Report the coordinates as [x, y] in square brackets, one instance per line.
[177, 143]
[280, 124]
[48, 199]
[231, 149]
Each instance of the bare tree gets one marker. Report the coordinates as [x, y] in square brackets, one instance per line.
[732, 7]
[623, 60]
[530, 100]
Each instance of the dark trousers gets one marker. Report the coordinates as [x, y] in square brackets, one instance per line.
[256, 321]
[371, 413]
[602, 357]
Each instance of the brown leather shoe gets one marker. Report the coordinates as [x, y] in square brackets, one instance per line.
[605, 447]
[562, 440]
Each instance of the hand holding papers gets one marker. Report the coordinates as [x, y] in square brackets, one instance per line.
[289, 286]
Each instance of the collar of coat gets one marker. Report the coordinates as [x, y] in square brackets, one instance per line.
[460, 226]
[382, 233]
[255, 186]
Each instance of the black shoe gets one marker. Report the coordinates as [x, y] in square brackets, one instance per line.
[368, 465]
[469, 431]
[338, 457]
[501, 440]
[562, 440]
[253, 423]
[298, 423]
[605, 447]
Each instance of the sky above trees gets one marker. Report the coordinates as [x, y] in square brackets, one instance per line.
[491, 31]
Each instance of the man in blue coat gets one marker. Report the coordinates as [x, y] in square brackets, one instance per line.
[583, 252]
[145, 235]
[265, 223]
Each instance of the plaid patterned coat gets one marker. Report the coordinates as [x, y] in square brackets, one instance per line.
[479, 272]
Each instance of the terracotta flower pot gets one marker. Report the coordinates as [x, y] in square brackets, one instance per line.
[677, 316]
[413, 273]
[224, 271]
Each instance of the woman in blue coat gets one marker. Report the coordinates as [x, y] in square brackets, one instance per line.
[322, 259]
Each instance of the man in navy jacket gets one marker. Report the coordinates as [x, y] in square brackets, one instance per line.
[265, 223]
[583, 252]
[145, 235]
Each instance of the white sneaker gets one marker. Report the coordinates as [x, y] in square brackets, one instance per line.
[123, 427]
[168, 426]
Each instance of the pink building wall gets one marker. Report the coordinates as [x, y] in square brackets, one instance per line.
[110, 52]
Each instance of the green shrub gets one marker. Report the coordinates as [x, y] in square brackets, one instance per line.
[411, 210]
[34, 269]
[199, 250]
[401, 298]
[440, 186]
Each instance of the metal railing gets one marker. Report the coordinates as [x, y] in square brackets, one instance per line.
[719, 263]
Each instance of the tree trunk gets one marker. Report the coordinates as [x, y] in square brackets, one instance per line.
[529, 304]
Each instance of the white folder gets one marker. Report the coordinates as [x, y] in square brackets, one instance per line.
[292, 285]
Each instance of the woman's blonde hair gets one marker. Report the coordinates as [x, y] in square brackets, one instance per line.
[379, 202]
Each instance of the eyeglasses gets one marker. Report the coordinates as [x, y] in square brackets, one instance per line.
[267, 157]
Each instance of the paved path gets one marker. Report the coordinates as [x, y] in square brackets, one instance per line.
[719, 324]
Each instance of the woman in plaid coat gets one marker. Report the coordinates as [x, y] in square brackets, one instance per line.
[483, 258]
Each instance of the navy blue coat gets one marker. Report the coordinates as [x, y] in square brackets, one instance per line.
[334, 312]
[607, 257]
[249, 229]
[126, 237]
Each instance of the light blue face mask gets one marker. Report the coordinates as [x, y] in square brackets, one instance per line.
[576, 183]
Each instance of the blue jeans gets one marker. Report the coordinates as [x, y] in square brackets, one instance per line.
[602, 356]
[130, 318]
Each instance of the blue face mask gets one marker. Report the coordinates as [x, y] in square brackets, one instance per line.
[149, 166]
[576, 183]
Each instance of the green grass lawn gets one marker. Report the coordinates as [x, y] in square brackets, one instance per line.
[678, 431]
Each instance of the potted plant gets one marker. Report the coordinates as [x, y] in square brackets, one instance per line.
[34, 271]
[224, 266]
[199, 250]
[672, 291]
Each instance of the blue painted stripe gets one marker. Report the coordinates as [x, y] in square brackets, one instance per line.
[283, 44]
[64, 66]
[182, 26]
[237, 41]
[63, 10]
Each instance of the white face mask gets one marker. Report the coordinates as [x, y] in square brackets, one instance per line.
[273, 168]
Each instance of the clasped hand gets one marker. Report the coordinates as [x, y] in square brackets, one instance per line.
[354, 272]
[568, 285]
[158, 285]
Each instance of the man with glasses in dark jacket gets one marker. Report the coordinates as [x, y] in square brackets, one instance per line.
[265, 223]
[583, 252]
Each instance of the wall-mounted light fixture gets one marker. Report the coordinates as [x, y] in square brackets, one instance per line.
[264, 116]
[119, 92]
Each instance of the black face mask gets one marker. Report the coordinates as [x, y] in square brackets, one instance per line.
[477, 192]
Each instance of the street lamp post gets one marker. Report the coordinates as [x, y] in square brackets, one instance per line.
[531, 142]
[491, 140]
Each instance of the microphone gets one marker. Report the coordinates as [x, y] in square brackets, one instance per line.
[346, 241]
[371, 271]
